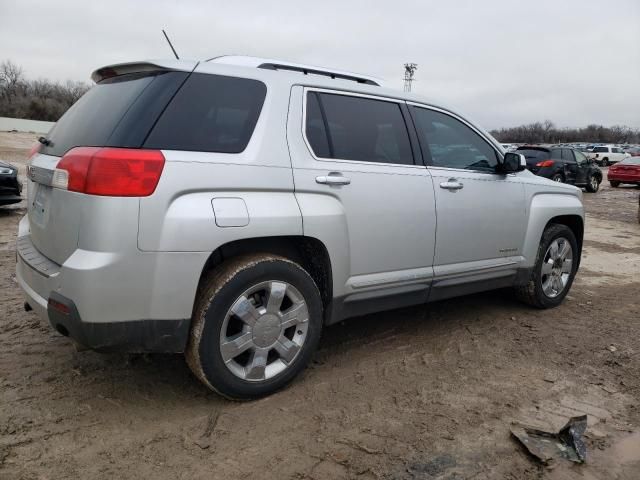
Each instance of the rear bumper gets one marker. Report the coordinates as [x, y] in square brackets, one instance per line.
[136, 302]
[130, 336]
[620, 177]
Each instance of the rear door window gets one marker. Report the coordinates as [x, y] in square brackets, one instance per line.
[600, 150]
[210, 113]
[451, 143]
[357, 128]
[567, 156]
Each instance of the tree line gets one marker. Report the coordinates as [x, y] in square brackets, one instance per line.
[35, 99]
[547, 132]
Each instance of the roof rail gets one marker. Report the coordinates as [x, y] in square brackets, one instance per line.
[269, 64]
[315, 71]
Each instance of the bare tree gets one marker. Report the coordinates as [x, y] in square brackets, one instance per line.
[11, 76]
[35, 99]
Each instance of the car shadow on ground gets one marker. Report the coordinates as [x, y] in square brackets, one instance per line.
[158, 377]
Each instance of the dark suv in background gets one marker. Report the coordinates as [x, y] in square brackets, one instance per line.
[565, 165]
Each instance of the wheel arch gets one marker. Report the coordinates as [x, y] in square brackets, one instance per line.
[309, 252]
[551, 207]
[575, 223]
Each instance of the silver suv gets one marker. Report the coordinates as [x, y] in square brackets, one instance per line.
[230, 209]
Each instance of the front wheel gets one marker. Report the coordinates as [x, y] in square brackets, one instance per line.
[256, 324]
[605, 162]
[593, 184]
[555, 268]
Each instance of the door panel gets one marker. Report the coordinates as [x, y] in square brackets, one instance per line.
[570, 166]
[483, 220]
[583, 167]
[481, 214]
[384, 211]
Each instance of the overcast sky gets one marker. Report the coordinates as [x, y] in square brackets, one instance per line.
[502, 62]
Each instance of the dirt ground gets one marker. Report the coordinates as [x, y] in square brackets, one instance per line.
[419, 393]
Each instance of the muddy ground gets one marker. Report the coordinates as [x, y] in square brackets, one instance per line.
[425, 392]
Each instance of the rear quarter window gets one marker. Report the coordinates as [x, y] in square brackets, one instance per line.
[210, 113]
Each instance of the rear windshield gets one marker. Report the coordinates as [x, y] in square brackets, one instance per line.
[162, 110]
[534, 156]
[600, 149]
[210, 113]
[117, 112]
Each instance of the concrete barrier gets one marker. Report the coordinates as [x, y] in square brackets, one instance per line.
[24, 125]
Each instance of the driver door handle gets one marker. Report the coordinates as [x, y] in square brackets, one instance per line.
[452, 184]
[334, 178]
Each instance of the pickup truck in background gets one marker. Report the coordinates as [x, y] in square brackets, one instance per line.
[605, 155]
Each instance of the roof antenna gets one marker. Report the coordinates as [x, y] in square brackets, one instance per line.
[169, 42]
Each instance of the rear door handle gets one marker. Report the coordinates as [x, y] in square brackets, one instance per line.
[452, 184]
[333, 178]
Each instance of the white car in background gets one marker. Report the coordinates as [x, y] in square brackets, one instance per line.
[606, 155]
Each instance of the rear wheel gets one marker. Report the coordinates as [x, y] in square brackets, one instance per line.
[554, 270]
[557, 177]
[256, 324]
[614, 184]
[593, 184]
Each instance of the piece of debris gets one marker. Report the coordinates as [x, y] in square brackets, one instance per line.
[612, 348]
[547, 446]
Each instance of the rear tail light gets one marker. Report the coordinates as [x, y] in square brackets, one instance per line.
[114, 172]
[545, 163]
[61, 307]
[597, 155]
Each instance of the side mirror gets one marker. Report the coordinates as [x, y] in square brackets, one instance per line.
[513, 162]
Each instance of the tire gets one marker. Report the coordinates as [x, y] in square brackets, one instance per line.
[557, 177]
[593, 184]
[538, 291]
[605, 162]
[614, 184]
[272, 354]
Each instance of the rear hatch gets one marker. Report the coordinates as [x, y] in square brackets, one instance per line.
[119, 111]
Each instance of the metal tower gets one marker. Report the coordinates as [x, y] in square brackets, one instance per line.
[409, 71]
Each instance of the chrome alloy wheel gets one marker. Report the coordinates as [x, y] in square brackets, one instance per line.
[264, 330]
[557, 267]
[594, 182]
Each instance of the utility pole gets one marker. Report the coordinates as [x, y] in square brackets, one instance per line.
[409, 72]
